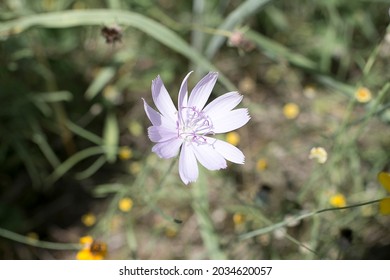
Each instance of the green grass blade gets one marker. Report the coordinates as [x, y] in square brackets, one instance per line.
[78, 130]
[101, 80]
[72, 161]
[71, 18]
[54, 96]
[111, 137]
[276, 51]
[245, 10]
[92, 169]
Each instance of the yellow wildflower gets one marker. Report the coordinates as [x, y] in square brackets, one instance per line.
[238, 218]
[88, 219]
[92, 250]
[111, 94]
[318, 153]
[33, 236]
[363, 95]
[170, 231]
[384, 203]
[384, 179]
[125, 153]
[135, 128]
[338, 200]
[291, 111]
[135, 168]
[384, 206]
[233, 138]
[261, 164]
[125, 204]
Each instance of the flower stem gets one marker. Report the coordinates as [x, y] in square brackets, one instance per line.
[201, 207]
[38, 243]
[298, 218]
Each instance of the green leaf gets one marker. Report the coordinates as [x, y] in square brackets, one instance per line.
[245, 10]
[111, 137]
[100, 81]
[71, 18]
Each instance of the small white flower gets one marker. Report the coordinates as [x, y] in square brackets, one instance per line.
[191, 126]
[318, 153]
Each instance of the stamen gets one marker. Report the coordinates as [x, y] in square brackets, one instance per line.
[194, 125]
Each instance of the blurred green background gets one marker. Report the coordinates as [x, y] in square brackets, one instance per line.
[75, 158]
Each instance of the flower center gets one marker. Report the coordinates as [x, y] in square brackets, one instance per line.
[194, 125]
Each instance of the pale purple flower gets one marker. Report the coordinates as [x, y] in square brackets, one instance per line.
[191, 126]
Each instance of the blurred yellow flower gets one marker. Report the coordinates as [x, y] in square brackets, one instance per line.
[88, 219]
[363, 95]
[247, 85]
[135, 168]
[309, 91]
[92, 250]
[384, 179]
[238, 218]
[170, 231]
[111, 93]
[261, 164]
[125, 204]
[233, 138]
[291, 111]
[384, 206]
[384, 203]
[135, 128]
[125, 153]
[33, 235]
[338, 200]
[319, 154]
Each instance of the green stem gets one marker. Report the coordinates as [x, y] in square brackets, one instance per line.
[153, 200]
[298, 218]
[38, 243]
[201, 208]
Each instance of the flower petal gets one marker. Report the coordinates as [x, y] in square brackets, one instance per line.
[209, 157]
[188, 167]
[228, 151]
[201, 92]
[157, 119]
[223, 104]
[168, 149]
[183, 92]
[183, 95]
[162, 99]
[161, 133]
[229, 121]
[153, 115]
